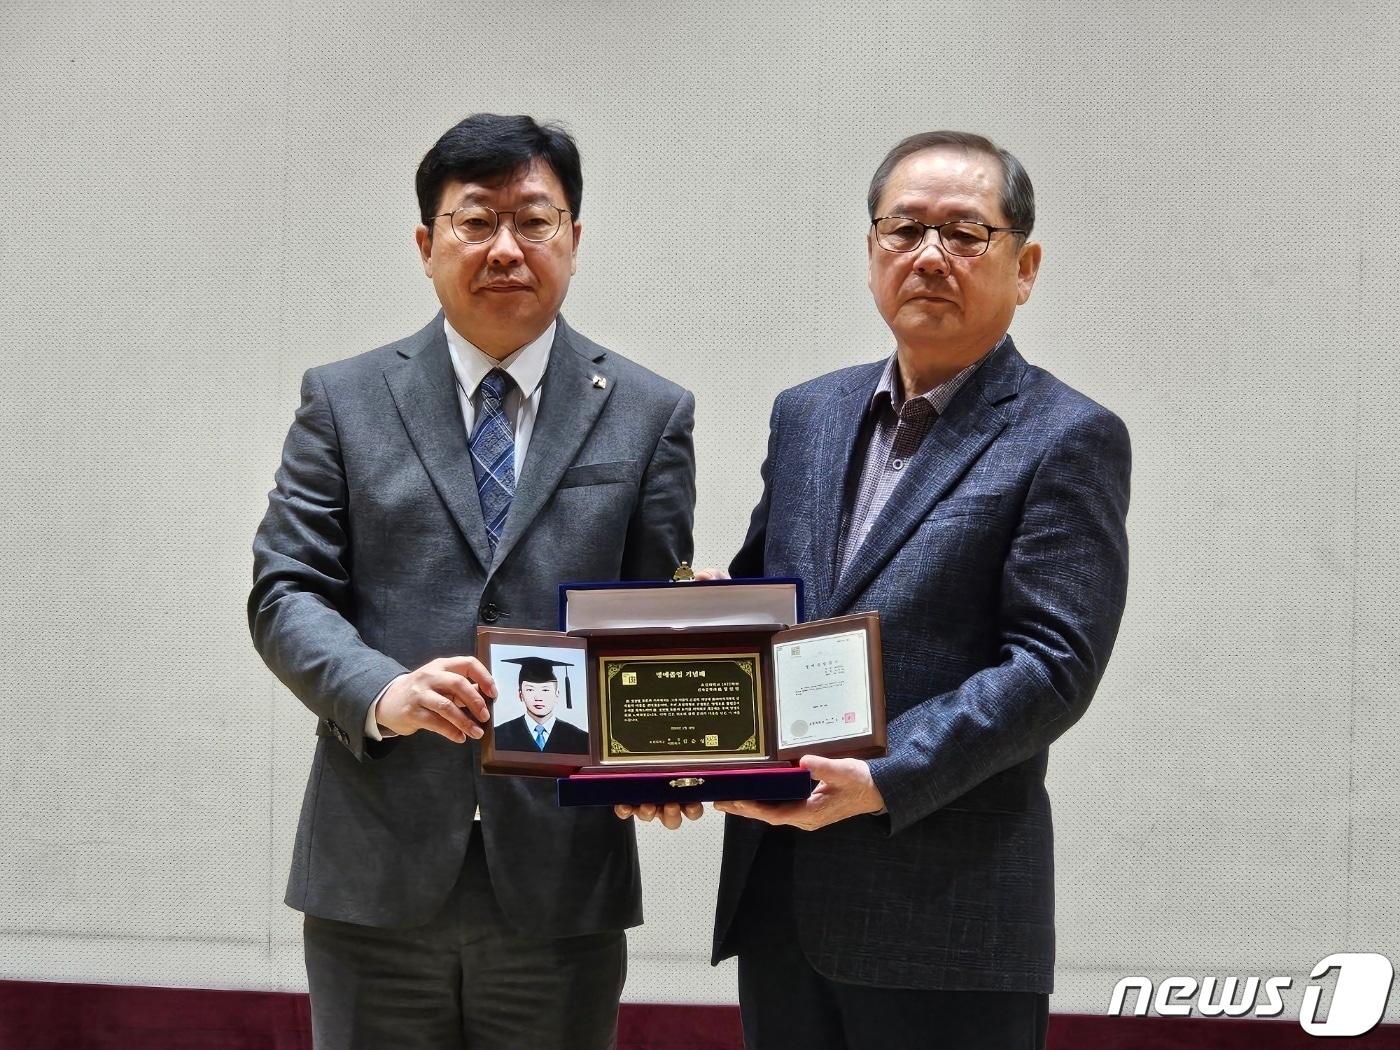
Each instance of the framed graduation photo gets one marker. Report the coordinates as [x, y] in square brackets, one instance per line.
[539, 719]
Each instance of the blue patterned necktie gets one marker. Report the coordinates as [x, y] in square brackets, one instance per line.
[493, 453]
[539, 737]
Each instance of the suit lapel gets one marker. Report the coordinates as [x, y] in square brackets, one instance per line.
[957, 438]
[570, 403]
[835, 445]
[424, 389]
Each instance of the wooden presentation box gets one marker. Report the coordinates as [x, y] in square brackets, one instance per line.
[678, 692]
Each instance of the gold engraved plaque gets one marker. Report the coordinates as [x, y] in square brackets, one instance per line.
[694, 709]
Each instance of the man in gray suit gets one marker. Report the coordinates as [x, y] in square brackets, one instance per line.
[454, 477]
[978, 504]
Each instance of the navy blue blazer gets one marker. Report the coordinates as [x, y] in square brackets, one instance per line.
[999, 568]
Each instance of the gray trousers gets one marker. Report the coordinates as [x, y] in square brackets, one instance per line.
[466, 980]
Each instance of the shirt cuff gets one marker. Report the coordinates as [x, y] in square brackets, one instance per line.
[372, 727]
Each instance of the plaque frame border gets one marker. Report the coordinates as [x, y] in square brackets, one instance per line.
[698, 759]
[865, 745]
[535, 763]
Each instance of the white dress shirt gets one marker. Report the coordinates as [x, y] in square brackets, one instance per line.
[526, 369]
[548, 724]
[522, 404]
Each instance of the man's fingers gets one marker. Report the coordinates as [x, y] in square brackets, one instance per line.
[441, 726]
[711, 574]
[739, 808]
[671, 813]
[473, 669]
[823, 768]
[443, 707]
[437, 698]
[429, 710]
[462, 693]
[768, 812]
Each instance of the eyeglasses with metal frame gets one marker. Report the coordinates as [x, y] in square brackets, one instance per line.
[477, 224]
[961, 237]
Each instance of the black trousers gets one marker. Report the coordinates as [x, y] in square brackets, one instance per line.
[466, 980]
[785, 1003]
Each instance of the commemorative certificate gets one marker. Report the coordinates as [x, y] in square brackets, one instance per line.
[825, 683]
[661, 692]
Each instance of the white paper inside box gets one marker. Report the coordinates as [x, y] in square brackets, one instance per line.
[731, 603]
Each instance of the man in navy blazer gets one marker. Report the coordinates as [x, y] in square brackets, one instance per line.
[978, 504]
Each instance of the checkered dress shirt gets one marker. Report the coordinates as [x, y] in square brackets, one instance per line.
[896, 428]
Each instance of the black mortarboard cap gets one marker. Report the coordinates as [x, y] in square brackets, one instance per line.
[541, 669]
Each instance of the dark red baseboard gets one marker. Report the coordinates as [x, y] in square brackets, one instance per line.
[52, 1016]
[45, 1016]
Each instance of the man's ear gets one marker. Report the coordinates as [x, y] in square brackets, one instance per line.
[1027, 266]
[423, 237]
[870, 259]
[573, 262]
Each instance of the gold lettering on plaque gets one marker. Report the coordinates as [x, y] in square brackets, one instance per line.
[702, 706]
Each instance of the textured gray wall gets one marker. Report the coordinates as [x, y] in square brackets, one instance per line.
[200, 201]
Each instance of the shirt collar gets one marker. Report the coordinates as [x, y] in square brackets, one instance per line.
[548, 724]
[890, 391]
[525, 367]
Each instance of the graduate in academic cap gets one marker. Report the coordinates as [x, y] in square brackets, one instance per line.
[539, 729]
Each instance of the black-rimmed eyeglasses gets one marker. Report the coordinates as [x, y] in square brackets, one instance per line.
[962, 237]
[476, 223]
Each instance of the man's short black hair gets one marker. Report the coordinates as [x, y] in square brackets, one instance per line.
[1017, 194]
[489, 148]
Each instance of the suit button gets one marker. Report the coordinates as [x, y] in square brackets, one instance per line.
[490, 612]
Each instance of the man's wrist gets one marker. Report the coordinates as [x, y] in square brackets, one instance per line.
[373, 730]
[879, 798]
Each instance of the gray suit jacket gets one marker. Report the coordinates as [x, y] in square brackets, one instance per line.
[999, 569]
[372, 559]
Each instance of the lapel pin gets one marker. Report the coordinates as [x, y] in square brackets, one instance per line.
[600, 383]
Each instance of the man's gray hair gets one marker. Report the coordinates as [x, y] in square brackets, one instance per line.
[1017, 195]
